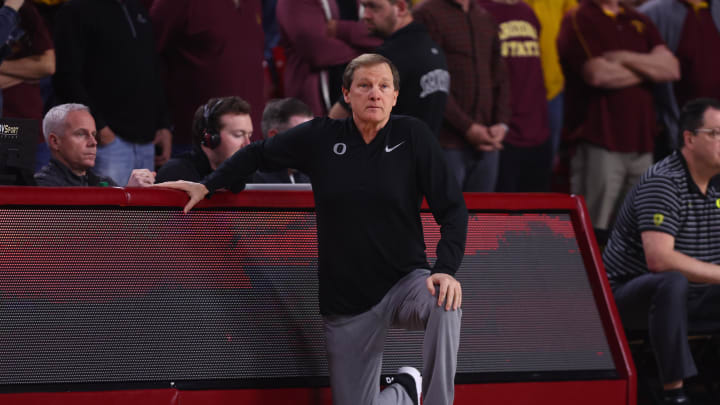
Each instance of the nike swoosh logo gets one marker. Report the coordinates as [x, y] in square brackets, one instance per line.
[389, 149]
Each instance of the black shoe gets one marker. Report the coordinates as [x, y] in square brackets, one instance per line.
[676, 397]
[410, 379]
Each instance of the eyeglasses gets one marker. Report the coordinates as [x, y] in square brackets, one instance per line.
[714, 133]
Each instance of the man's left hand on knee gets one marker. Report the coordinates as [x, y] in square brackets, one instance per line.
[449, 291]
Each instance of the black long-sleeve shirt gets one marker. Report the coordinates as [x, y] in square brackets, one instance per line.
[105, 52]
[56, 174]
[192, 166]
[367, 199]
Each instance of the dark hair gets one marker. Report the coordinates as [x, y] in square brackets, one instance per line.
[692, 116]
[278, 112]
[368, 59]
[207, 116]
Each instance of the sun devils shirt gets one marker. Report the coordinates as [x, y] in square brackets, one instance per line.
[520, 47]
[367, 200]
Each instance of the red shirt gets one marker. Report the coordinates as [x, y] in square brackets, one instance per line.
[620, 120]
[24, 100]
[309, 50]
[699, 57]
[519, 36]
[210, 49]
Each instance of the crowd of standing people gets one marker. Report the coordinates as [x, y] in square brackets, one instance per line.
[514, 90]
[500, 93]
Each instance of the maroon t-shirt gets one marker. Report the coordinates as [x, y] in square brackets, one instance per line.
[25, 99]
[699, 57]
[519, 35]
[209, 49]
[620, 120]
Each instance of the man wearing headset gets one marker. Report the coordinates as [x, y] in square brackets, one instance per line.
[220, 128]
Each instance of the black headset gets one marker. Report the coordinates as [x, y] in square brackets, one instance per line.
[210, 137]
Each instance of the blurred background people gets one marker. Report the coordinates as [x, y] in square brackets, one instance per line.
[550, 13]
[611, 57]
[29, 58]
[318, 45]
[526, 157]
[8, 22]
[208, 49]
[106, 60]
[478, 109]
[691, 30]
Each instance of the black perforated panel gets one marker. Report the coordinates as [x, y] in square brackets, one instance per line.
[110, 295]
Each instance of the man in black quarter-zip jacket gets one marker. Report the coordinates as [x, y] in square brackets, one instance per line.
[106, 60]
[369, 174]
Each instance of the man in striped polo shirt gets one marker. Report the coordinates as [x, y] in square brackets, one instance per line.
[663, 256]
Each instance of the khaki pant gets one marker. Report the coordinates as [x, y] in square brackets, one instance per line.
[603, 178]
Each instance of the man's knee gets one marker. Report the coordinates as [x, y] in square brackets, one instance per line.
[672, 287]
[446, 319]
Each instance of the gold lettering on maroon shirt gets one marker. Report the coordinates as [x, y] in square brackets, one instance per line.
[513, 48]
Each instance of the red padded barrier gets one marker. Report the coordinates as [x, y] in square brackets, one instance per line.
[621, 391]
[134, 397]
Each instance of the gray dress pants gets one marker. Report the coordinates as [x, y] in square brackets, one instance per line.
[355, 346]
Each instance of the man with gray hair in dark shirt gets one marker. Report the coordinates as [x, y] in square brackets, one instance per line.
[70, 133]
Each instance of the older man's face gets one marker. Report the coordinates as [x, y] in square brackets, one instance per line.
[76, 147]
[372, 94]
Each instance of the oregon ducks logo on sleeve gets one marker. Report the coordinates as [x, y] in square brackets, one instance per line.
[658, 219]
[717, 202]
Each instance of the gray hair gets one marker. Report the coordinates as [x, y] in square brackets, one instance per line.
[365, 60]
[54, 121]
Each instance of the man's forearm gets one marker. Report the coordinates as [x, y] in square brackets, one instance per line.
[657, 66]
[30, 68]
[695, 270]
[600, 72]
[8, 81]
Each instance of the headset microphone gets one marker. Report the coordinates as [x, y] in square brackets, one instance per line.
[210, 137]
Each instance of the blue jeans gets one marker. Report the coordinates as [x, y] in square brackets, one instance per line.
[120, 157]
[42, 156]
[474, 170]
[555, 116]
